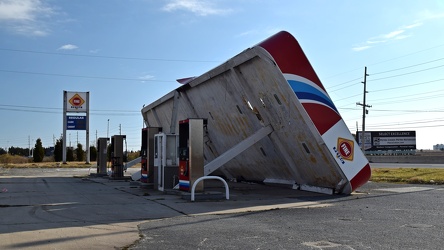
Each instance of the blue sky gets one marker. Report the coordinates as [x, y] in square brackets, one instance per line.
[128, 53]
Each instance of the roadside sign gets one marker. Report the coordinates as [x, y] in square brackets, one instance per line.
[388, 140]
[75, 122]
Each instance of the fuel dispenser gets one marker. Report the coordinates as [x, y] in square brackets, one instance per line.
[165, 161]
[191, 160]
[117, 156]
[147, 154]
[102, 144]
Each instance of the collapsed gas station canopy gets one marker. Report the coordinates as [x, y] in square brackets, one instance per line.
[269, 118]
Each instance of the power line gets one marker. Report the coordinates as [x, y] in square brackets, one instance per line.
[406, 86]
[411, 66]
[37, 107]
[60, 112]
[383, 72]
[408, 73]
[80, 76]
[400, 110]
[109, 57]
[408, 127]
[397, 88]
[337, 85]
[388, 60]
[413, 53]
[409, 100]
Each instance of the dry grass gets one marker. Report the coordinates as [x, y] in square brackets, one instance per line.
[48, 165]
[14, 161]
[408, 175]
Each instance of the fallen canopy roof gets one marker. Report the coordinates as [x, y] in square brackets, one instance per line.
[269, 94]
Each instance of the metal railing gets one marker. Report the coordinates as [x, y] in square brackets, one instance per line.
[227, 191]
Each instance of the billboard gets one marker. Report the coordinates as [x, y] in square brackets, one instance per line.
[388, 140]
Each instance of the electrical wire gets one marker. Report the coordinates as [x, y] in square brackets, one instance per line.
[80, 76]
[411, 66]
[408, 73]
[108, 57]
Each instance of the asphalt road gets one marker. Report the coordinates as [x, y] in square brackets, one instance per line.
[51, 209]
[377, 217]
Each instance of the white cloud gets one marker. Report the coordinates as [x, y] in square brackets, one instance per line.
[361, 48]
[146, 77]
[198, 7]
[413, 25]
[68, 47]
[25, 17]
[395, 35]
[401, 37]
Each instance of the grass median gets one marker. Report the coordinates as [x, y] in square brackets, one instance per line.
[408, 175]
[392, 175]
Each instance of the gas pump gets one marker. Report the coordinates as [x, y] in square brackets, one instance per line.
[191, 160]
[102, 144]
[117, 156]
[165, 160]
[147, 154]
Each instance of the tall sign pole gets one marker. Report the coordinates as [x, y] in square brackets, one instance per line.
[364, 110]
[65, 105]
[87, 129]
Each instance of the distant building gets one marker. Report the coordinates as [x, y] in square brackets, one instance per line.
[49, 151]
[438, 147]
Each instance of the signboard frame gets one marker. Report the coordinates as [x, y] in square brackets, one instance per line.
[75, 102]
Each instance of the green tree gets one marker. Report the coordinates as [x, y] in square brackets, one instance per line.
[108, 153]
[93, 153]
[58, 150]
[39, 151]
[80, 154]
[69, 154]
[133, 155]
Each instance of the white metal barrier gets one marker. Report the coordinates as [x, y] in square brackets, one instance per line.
[227, 191]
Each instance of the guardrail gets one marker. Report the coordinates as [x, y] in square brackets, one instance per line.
[227, 191]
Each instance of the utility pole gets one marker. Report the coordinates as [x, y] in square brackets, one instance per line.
[364, 110]
[107, 130]
[120, 129]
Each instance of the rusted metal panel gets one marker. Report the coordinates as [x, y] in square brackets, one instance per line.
[246, 93]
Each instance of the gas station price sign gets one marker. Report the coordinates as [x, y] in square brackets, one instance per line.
[75, 122]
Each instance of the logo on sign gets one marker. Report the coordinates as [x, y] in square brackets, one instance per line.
[76, 101]
[345, 148]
